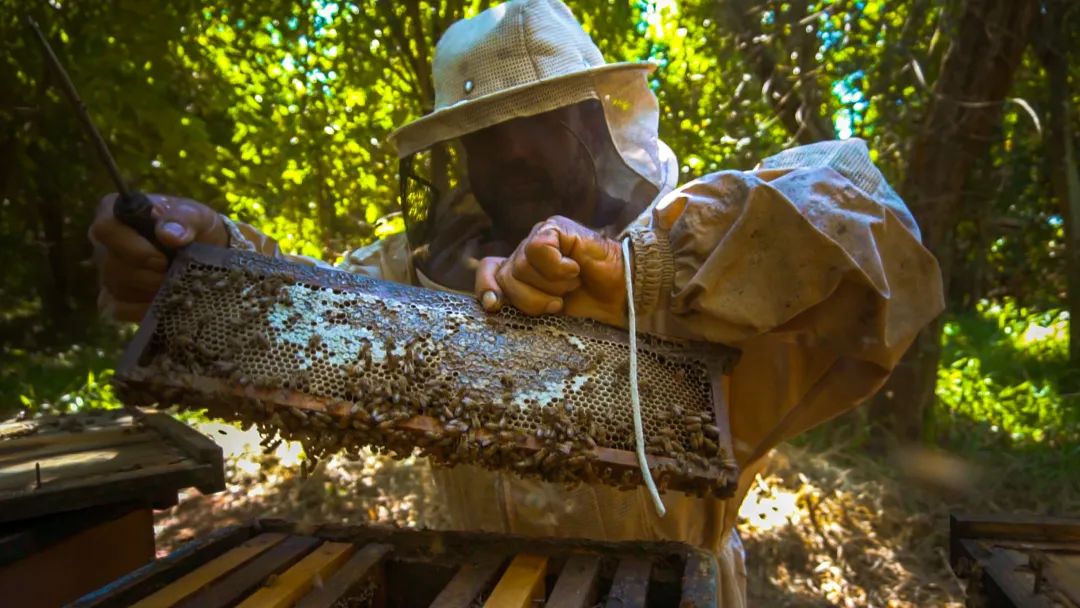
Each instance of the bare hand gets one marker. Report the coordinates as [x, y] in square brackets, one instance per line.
[561, 266]
[130, 268]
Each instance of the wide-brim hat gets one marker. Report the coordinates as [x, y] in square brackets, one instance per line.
[521, 58]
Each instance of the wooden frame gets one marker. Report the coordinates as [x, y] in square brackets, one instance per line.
[140, 385]
[198, 463]
[459, 569]
[1017, 561]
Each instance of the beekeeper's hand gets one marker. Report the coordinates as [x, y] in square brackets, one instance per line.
[561, 267]
[130, 268]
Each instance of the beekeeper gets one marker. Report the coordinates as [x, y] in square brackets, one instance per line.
[538, 160]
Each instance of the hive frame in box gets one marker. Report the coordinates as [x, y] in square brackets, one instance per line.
[404, 567]
[355, 360]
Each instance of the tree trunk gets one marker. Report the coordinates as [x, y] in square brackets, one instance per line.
[960, 126]
[1054, 53]
[53, 287]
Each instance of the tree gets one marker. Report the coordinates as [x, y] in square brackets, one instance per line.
[1054, 52]
[277, 112]
[960, 124]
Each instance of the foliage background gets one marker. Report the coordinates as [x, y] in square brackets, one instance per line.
[277, 111]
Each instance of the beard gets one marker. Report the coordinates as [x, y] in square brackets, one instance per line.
[525, 195]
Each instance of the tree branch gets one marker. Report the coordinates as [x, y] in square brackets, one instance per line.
[803, 121]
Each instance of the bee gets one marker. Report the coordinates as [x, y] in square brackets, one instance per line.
[224, 367]
[679, 376]
[589, 386]
[260, 340]
[695, 440]
[710, 445]
[314, 342]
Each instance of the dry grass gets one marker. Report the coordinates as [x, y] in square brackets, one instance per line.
[822, 527]
[835, 527]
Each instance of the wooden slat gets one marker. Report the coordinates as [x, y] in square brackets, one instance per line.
[522, 583]
[1062, 572]
[355, 572]
[30, 457]
[1006, 572]
[211, 571]
[1016, 527]
[469, 582]
[630, 586]
[193, 443]
[239, 584]
[47, 427]
[76, 467]
[136, 584]
[578, 583]
[146, 482]
[292, 584]
[40, 446]
[699, 580]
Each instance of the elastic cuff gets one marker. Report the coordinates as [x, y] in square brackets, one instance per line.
[237, 240]
[653, 266]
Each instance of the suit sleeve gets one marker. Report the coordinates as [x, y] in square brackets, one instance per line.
[810, 264]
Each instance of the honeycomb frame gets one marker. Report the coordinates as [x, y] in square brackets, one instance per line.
[338, 361]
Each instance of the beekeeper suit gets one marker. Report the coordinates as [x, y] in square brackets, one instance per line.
[810, 264]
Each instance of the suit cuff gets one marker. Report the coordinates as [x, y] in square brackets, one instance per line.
[653, 267]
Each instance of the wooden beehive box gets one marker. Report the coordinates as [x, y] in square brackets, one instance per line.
[276, 563]
[64, 463]
[77, 494]
[1017, 561]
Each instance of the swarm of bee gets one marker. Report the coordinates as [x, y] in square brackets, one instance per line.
[339, 370]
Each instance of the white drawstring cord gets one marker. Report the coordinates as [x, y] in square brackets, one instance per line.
[635, 399]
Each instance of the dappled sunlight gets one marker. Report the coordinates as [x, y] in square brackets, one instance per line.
[818, 534]
[275, 483]
[768, 506]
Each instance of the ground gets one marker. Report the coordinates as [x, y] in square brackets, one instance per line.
[822, 526]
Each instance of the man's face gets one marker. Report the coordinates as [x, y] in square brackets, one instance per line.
[525, 170]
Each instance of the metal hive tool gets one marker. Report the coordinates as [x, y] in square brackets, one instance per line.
[339, 361]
